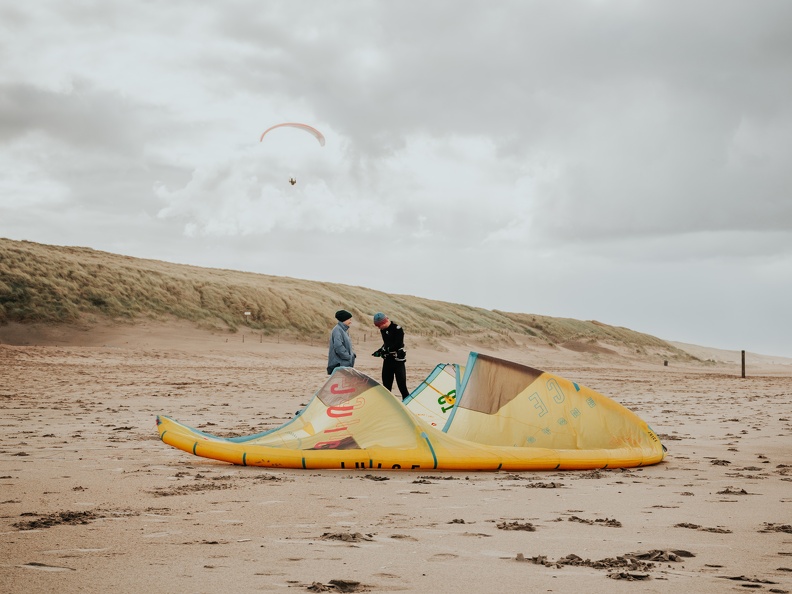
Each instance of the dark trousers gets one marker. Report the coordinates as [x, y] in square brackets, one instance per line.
[392, 368]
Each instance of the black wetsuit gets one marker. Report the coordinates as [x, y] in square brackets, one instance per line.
[393, 358]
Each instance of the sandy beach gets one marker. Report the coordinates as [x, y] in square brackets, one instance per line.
[91, 500]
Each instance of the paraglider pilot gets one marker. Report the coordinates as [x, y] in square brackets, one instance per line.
[292, 181]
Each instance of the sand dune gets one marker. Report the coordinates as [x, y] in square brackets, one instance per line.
[91, 500]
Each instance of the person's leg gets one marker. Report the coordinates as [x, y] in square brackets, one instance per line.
[387, 372]
[401, 378]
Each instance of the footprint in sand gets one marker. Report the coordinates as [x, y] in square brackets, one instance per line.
[43, 567]
[443, 557]
[73, 552]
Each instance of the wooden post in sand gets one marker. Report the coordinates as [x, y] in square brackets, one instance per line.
[743, 363]
[247, 321]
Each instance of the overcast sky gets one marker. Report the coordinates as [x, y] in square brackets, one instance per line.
[622, 161]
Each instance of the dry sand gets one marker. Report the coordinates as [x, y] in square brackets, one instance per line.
[92, 501]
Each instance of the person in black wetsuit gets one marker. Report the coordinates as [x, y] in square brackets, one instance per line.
[393, 354]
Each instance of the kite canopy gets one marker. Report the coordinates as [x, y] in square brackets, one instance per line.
[495, 415]
[501, 403]
[313, 131]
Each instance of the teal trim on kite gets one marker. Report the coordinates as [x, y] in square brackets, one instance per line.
[431, 449]
[461, 385]
[431, 377]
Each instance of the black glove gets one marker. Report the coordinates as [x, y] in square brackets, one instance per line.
[378, 353]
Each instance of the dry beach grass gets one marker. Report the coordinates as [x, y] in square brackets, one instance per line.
[44, 283]
[93, 501]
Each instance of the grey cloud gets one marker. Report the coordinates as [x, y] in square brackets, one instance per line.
[476, 68]
[91, 141]
[84, 117]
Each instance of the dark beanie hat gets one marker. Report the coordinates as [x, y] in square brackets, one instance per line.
[343, 315]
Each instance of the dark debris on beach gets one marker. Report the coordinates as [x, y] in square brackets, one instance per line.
[65, 517]
[527, 526]
[630, 566]
[338, 586]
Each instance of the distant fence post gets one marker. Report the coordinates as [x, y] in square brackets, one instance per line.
[743, 363]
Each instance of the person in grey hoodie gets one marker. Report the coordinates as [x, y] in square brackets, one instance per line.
[341, 353]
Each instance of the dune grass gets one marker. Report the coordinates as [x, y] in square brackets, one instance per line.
[53, 284]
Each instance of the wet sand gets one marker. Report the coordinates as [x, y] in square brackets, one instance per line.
[91, 500]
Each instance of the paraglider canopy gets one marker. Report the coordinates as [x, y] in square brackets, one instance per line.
[313, 131]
